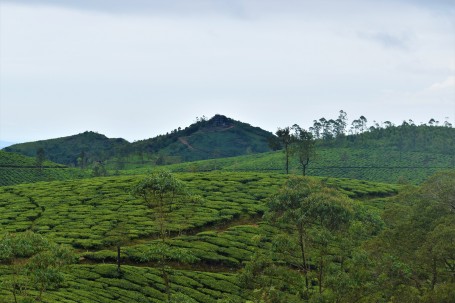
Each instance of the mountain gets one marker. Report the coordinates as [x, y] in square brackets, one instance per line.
[217, 137]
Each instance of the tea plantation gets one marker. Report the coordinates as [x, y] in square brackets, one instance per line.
[17, 169]
[378, 165]
[210, 239]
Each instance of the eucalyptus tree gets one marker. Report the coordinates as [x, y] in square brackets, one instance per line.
[314, 213]
[303, 146]
[285, 139]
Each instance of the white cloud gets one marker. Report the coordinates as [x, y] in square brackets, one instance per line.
[447, 83]
[137, 75]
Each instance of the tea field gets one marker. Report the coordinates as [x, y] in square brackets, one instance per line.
[209, 239]
[376, 165]
[17, 169]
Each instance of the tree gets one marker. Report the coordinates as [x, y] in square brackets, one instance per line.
[285, 139]
[82, 160]
[35, 262]
[160, 191]
[303, 146]
[118, 236]
[40, 157]
[98, 169]
[303, 204]
[341, 124]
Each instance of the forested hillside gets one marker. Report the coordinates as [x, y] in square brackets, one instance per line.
[217, 137]
[78, 150]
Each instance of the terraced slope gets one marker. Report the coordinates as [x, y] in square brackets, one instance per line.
[357, 163]
[219, 233]
[17, 169]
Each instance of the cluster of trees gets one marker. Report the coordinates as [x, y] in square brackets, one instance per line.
[295, 141]
[332, 249]
[409, 136]
[328, 129]
[35, 265]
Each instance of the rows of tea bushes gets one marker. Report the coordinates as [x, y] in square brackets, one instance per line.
[17, 160]
[209, 239]
[225, 248]
[102, 284]
[17, 169]
[389, 166]
[82, 212]
[19, 175]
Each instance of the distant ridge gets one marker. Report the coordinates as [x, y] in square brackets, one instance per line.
[217, 137]
[4, 144]
[87, 146]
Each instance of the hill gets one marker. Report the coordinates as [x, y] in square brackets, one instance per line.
[17, 169]
[78, 150]
[217, 137]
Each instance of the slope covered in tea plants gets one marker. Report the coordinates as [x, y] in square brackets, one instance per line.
[17, 169]
[209, 239]
[358, 163]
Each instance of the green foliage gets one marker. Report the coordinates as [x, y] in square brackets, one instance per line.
[372, 164]
[34, 261]
[218, 137]
[17, 169]
[67, 150]
[219, 248]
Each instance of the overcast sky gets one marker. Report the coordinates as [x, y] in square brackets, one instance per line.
[139, 68]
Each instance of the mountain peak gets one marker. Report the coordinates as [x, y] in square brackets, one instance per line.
[220, 121]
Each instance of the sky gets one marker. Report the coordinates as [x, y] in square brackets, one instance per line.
[139, 68]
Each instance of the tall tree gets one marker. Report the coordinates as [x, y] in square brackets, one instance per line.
[341, 124]
[305, 203]
[303, 146]
[285, 139]
[40, 157]
[160, 191]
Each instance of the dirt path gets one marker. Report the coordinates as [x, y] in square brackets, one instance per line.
[185, 142]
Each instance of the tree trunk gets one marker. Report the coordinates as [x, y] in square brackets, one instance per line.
[118, 258]
[287, 160]
[321, 268]
[302, 251]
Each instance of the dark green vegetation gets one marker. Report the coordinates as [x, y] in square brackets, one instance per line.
[16, 169]
[78, 150]
[217, 137]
